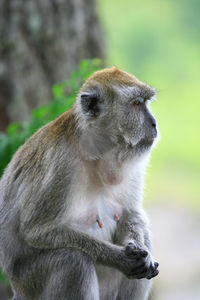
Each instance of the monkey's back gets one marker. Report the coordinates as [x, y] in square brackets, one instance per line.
[33, 188]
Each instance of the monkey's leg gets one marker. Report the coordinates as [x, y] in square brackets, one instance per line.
[137, 289]
[62, 274]
[73, 277]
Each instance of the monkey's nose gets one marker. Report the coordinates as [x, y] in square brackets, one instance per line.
[154, 129]
[152, 121]
[154, 124]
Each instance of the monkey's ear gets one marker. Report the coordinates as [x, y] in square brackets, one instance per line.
[89, 103]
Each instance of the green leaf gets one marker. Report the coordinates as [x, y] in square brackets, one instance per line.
[12, 128]
[39, 113]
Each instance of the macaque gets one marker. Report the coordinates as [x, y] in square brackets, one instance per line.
[72, 225]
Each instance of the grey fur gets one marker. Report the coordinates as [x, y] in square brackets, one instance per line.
[73, 172]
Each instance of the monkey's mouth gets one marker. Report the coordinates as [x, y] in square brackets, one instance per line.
[146, 142]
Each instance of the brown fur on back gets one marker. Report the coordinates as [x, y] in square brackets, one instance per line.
[63, 125]
[32, 153]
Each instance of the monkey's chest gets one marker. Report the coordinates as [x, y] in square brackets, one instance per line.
[105, 219]
[98, 216]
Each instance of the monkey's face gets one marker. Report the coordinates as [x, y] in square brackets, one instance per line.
[117, 107]
[135, 120]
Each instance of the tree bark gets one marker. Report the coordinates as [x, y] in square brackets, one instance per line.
[5, 292]
[41, 42]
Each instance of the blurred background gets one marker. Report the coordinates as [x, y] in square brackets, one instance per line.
[42, 42]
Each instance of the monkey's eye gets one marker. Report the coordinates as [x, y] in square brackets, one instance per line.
[137, 101]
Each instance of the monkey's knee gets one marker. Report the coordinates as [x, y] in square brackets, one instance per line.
[134, 289]
[75, 262]
[73, 277]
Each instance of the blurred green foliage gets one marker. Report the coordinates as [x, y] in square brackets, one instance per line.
[4, 279]
[64, 95]
[158, 41]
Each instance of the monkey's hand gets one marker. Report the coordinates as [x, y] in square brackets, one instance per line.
[138, 263]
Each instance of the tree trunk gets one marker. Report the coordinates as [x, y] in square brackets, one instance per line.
[5, 292]
[41, 42]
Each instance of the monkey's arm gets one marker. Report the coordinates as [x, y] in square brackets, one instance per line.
[132, 232]
[100, 252]
[133, 228]
[63, 236]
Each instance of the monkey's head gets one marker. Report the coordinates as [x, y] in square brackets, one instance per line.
[113, 109]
